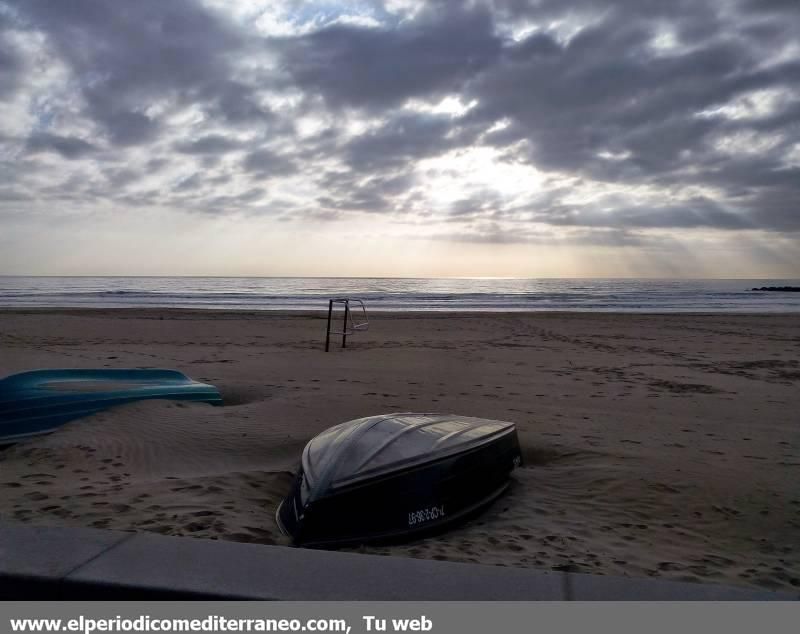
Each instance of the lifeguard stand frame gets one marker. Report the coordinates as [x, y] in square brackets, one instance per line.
[349, 326]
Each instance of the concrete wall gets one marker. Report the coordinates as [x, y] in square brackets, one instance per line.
[82, 563]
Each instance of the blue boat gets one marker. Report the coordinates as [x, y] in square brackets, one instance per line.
[38, 402]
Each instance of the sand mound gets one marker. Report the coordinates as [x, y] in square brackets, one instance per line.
[172, 468]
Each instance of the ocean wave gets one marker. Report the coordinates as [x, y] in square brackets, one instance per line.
[400, 294]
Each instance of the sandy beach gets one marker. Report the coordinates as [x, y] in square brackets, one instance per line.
[655, 445]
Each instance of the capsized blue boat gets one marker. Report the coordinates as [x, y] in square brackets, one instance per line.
[37, 402]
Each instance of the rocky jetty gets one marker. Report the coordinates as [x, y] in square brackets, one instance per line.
[780, 289]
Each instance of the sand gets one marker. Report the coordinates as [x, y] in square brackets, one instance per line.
[655, 445]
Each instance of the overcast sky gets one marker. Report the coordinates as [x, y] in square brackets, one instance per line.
[508, 137]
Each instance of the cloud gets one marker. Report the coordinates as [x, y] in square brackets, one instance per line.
[150, 53]
[11, 62]
[265, 163]
[68, 147]
[368, 67]
[348, 191]
[209, 144]
[499, 122]
[690, 214]
[399, 140]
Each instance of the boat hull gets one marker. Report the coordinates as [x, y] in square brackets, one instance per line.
[38, 402]
[405, 504]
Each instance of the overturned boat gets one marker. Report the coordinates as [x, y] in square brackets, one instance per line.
[392, 477]
[37, 402]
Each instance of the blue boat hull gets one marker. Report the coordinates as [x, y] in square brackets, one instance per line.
[38, 402]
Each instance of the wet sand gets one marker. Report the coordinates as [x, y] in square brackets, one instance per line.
[658, 445]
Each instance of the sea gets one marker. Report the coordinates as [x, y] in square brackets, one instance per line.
[402, 294]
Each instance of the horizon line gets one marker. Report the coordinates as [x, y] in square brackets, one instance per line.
[398, 277]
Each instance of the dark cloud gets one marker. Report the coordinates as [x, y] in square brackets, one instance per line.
[12, 64]
[431, 55]
[602, 91]
[264, 163]
[351, 191]
[236, 103]
[404, 138]
[789, 8]
[210, 144]
[119, 178]
[156, 164]
[775, 208]
[66, 146]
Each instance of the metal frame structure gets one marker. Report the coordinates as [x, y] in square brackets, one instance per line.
[349, 326]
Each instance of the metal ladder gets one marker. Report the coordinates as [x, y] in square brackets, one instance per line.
[349, 325]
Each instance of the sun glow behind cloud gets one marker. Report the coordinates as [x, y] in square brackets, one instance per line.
[461, 173]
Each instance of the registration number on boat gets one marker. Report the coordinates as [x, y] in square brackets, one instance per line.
[425, 515]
